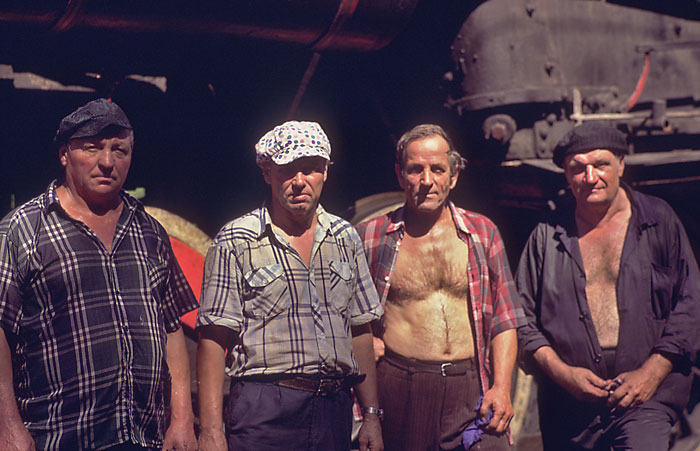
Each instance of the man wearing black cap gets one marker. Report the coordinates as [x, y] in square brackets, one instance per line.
[90, 303]
[611, 292]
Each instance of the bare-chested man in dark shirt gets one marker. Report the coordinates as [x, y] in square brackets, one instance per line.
[448, 334]
[611, 293]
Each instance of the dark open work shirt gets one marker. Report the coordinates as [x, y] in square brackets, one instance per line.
[658, 296]
[88, 327]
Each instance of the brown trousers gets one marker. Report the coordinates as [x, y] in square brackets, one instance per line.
[427, 411]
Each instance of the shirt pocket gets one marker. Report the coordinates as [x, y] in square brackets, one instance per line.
[266, 292]
[341, 281]
[662, 287]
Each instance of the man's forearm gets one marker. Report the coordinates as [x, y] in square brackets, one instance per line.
[504, 350]
[179, 366]
[550, 362]
[211, 363]
[12, 427]
[370, 434]
[362, 346]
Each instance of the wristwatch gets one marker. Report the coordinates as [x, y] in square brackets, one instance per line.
[373, 410]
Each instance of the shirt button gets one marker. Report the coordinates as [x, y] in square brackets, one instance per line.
[598, 357]
[386, 278]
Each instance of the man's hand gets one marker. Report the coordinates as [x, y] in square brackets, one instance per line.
[180, 436]
[15, 437]
[583, 384]
[370, 435]
[212, 439]
[378, 345]
[498, 401]
[636, 387]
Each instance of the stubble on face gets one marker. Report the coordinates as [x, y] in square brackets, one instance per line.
[296, 187]
[426, 177]
[96, 167]
[594, 177]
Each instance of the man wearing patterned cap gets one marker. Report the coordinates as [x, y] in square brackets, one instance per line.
[287, 293]
[611, 291]
[90, 303]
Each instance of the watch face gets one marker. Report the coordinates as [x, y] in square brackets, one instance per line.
[373, 410]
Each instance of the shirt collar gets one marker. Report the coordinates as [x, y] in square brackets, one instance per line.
[397, 222]
[52, 200]
[458, 219]
[641, 217]
[323, 221]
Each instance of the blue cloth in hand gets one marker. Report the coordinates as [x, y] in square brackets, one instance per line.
[472, 433]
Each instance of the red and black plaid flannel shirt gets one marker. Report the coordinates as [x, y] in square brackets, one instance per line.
[495, 303]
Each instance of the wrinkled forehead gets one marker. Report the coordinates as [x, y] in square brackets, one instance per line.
[591, 156]
[109, 133]
[429, 146]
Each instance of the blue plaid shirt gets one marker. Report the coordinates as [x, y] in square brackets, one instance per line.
[290, 319]
[87, 326]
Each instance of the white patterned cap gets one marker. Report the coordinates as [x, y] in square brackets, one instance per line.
[291, 140]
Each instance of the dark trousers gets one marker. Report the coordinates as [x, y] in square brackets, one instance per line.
[643, 428]
[267, 417]
[568, 424]
[428, 411]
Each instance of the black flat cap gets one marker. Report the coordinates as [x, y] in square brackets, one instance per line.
[589, 136]
[90, 119]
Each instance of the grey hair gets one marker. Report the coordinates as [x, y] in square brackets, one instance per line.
[456, 161]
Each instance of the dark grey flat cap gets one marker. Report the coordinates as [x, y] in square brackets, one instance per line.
[589, 136]
[90, 119]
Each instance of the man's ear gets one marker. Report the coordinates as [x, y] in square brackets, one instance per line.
[399, 175]
[62, 157]
[265, 167]
[453, 180]
[621, 169]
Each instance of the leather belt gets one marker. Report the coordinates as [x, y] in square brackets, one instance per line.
[451, 368]
[319, 386]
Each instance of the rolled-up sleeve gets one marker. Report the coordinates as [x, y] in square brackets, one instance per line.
[366, 306]
[528, 277]
[220, 302]
[508, 313]
[681, 336]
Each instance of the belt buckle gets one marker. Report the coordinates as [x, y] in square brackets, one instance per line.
[328, 387]
[444, 367]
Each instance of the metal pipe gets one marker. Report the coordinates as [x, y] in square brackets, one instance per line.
[360, 25]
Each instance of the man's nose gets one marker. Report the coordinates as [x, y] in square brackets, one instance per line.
[425, 177]
[298, 179]
[591, 174]
[106, 158]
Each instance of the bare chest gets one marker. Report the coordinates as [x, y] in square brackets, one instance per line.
[601, 251]
[427, 310]
[303, 245]
[104, 227]
[427, 266]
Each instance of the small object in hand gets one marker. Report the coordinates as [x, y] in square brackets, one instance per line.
[472, 433]
[616, 383]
